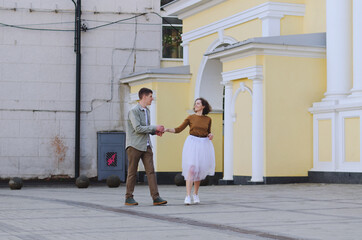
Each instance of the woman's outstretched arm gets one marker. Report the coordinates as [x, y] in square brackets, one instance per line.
[179, 128]
[170, 130]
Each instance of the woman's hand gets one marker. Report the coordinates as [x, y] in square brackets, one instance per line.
[170, 130]
[210, 136]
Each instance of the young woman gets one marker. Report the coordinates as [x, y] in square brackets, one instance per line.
[198, 155]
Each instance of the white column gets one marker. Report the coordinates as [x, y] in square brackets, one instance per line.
[221, 35]
[339, 49]
[228, 133]
[185, 48]
[153, 120]
[271, 25]
[357, 49]
[257, 141]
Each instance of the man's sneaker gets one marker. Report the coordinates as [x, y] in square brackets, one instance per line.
[187, 200]
[159, 201]
[196, 199]
[130, 202]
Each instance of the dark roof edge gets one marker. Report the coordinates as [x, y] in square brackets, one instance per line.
[169, 70]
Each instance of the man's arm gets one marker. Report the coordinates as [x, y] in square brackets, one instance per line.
[136, 124]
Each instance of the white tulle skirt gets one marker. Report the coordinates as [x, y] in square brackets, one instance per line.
[198, 158]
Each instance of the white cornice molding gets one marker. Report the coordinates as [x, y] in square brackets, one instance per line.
[186, 8]
[254, 72]
[149, 77]
[336, 106]
[252, 49]
[268, 9]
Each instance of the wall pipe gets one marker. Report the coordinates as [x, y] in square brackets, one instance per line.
[77, 49]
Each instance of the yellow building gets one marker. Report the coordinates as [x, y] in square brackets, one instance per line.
[279, 75]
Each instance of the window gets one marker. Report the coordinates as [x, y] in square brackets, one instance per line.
[171, 37]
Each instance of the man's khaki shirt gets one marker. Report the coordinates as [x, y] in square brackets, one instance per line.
[137, 132]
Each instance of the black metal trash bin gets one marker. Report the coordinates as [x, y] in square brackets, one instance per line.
[111, 155]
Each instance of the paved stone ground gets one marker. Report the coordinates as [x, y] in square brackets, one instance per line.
[282, 212]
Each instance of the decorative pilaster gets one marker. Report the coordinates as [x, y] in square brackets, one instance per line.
[271, 25]
[357, 49]
[228, 133]
[153, 120]
[257, 151]
[339, 49]
[221, 35]
[185, 49]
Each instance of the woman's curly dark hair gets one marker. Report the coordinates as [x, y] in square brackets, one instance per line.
[204, 103]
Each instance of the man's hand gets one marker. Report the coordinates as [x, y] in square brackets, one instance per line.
[160, 130]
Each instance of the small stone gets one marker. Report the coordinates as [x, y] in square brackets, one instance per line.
[15, 183]
[179, 180]
[113, 181]
[82, 181]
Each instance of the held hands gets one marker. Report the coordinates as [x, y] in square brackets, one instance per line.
[160, 129]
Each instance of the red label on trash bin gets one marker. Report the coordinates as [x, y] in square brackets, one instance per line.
[112, 161]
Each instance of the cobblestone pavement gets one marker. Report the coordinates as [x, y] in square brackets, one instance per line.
[281, 212]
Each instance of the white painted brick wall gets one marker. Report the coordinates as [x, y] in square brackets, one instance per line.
[37, 81]
[11, 130]
[61, 73]
[67, 91]
[10, 53]
[20, 147]
[1, 36]
[10, 90]
[10, 166]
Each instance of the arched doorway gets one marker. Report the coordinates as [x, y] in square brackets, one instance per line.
[210, 88]
[209, 75]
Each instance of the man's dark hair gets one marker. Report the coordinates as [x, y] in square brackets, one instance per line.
[206, 104]
[144, 91]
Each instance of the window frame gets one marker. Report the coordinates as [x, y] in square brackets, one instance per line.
[169, 25]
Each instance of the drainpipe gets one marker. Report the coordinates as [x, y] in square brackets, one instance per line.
[77, 48]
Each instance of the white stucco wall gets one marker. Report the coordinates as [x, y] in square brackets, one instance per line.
[37, 80]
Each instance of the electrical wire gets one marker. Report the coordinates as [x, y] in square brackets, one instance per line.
[178, 30]
[67, 30]
[52, 23]
[36, 29]
[100, 21]
[111, 23]
[133, 48]
[26, 27]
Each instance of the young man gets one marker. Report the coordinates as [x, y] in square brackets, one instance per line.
[138, 146]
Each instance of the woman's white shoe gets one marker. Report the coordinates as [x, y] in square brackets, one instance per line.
[187, 200]
[196, 199]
